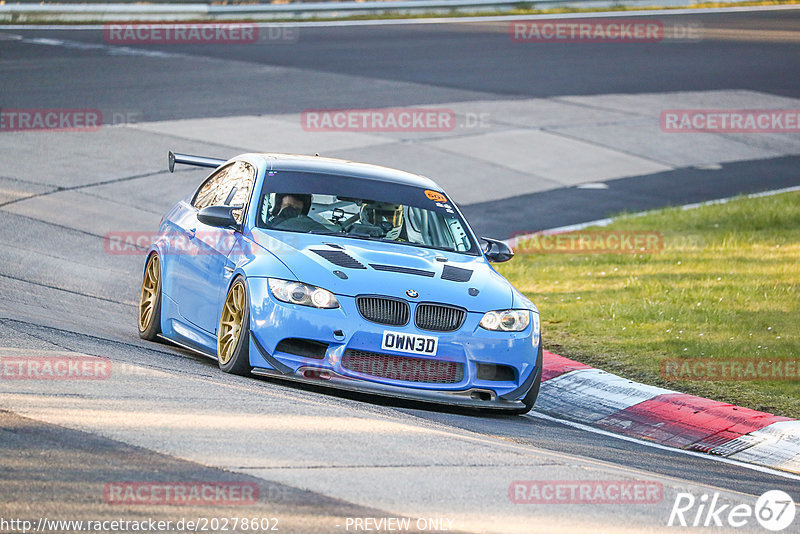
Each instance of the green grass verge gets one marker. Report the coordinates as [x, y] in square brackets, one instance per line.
[725, 286]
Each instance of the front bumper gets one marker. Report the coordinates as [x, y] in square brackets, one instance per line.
[344, 329]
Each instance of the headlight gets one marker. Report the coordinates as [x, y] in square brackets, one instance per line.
[302, 294]
[506, 320]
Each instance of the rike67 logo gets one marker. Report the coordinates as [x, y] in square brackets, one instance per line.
[774, 510]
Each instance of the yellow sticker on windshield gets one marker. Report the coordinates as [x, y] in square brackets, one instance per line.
[435, 196]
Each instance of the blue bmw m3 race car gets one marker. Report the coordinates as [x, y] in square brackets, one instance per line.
[343, 274]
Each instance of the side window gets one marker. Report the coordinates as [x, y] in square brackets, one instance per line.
[241, 178]
[210, 191]
[230, 186]
[267, 199]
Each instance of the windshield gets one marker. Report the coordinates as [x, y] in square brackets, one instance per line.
[362, 209]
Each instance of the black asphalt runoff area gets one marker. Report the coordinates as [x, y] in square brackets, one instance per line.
[573, 205]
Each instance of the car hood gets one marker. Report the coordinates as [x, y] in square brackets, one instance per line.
[374, 267]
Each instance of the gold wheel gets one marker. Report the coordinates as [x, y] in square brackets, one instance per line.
[230, 323]
[149, 295]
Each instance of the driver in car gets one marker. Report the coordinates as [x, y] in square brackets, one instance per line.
[389, 217]
[289, 206]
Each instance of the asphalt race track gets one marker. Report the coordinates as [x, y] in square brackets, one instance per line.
[546, 135]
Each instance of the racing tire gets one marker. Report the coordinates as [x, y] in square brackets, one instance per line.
[150, 300]
[233, 333]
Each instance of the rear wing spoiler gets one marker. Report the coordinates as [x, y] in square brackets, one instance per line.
[197, 161]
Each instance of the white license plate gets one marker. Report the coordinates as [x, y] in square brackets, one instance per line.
[410, 343]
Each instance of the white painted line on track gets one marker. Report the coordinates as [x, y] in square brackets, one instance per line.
[606, 222]
[752, 195]
[587, 428]
[109, 49]
[442, 20]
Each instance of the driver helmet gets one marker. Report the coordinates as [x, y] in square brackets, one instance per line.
[306, 199]
[375, 213]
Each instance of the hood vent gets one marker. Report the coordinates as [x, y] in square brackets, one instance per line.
[404, 270]
[340, 258]
[456, 274]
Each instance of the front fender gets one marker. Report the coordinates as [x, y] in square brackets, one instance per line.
[158, 247]
[254, 261]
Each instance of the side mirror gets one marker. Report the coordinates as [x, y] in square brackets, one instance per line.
[219, 216]
[497, 251]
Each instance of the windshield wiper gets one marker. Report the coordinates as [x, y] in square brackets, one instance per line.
[325, 232]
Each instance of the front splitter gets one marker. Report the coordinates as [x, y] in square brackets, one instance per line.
[469, 398]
